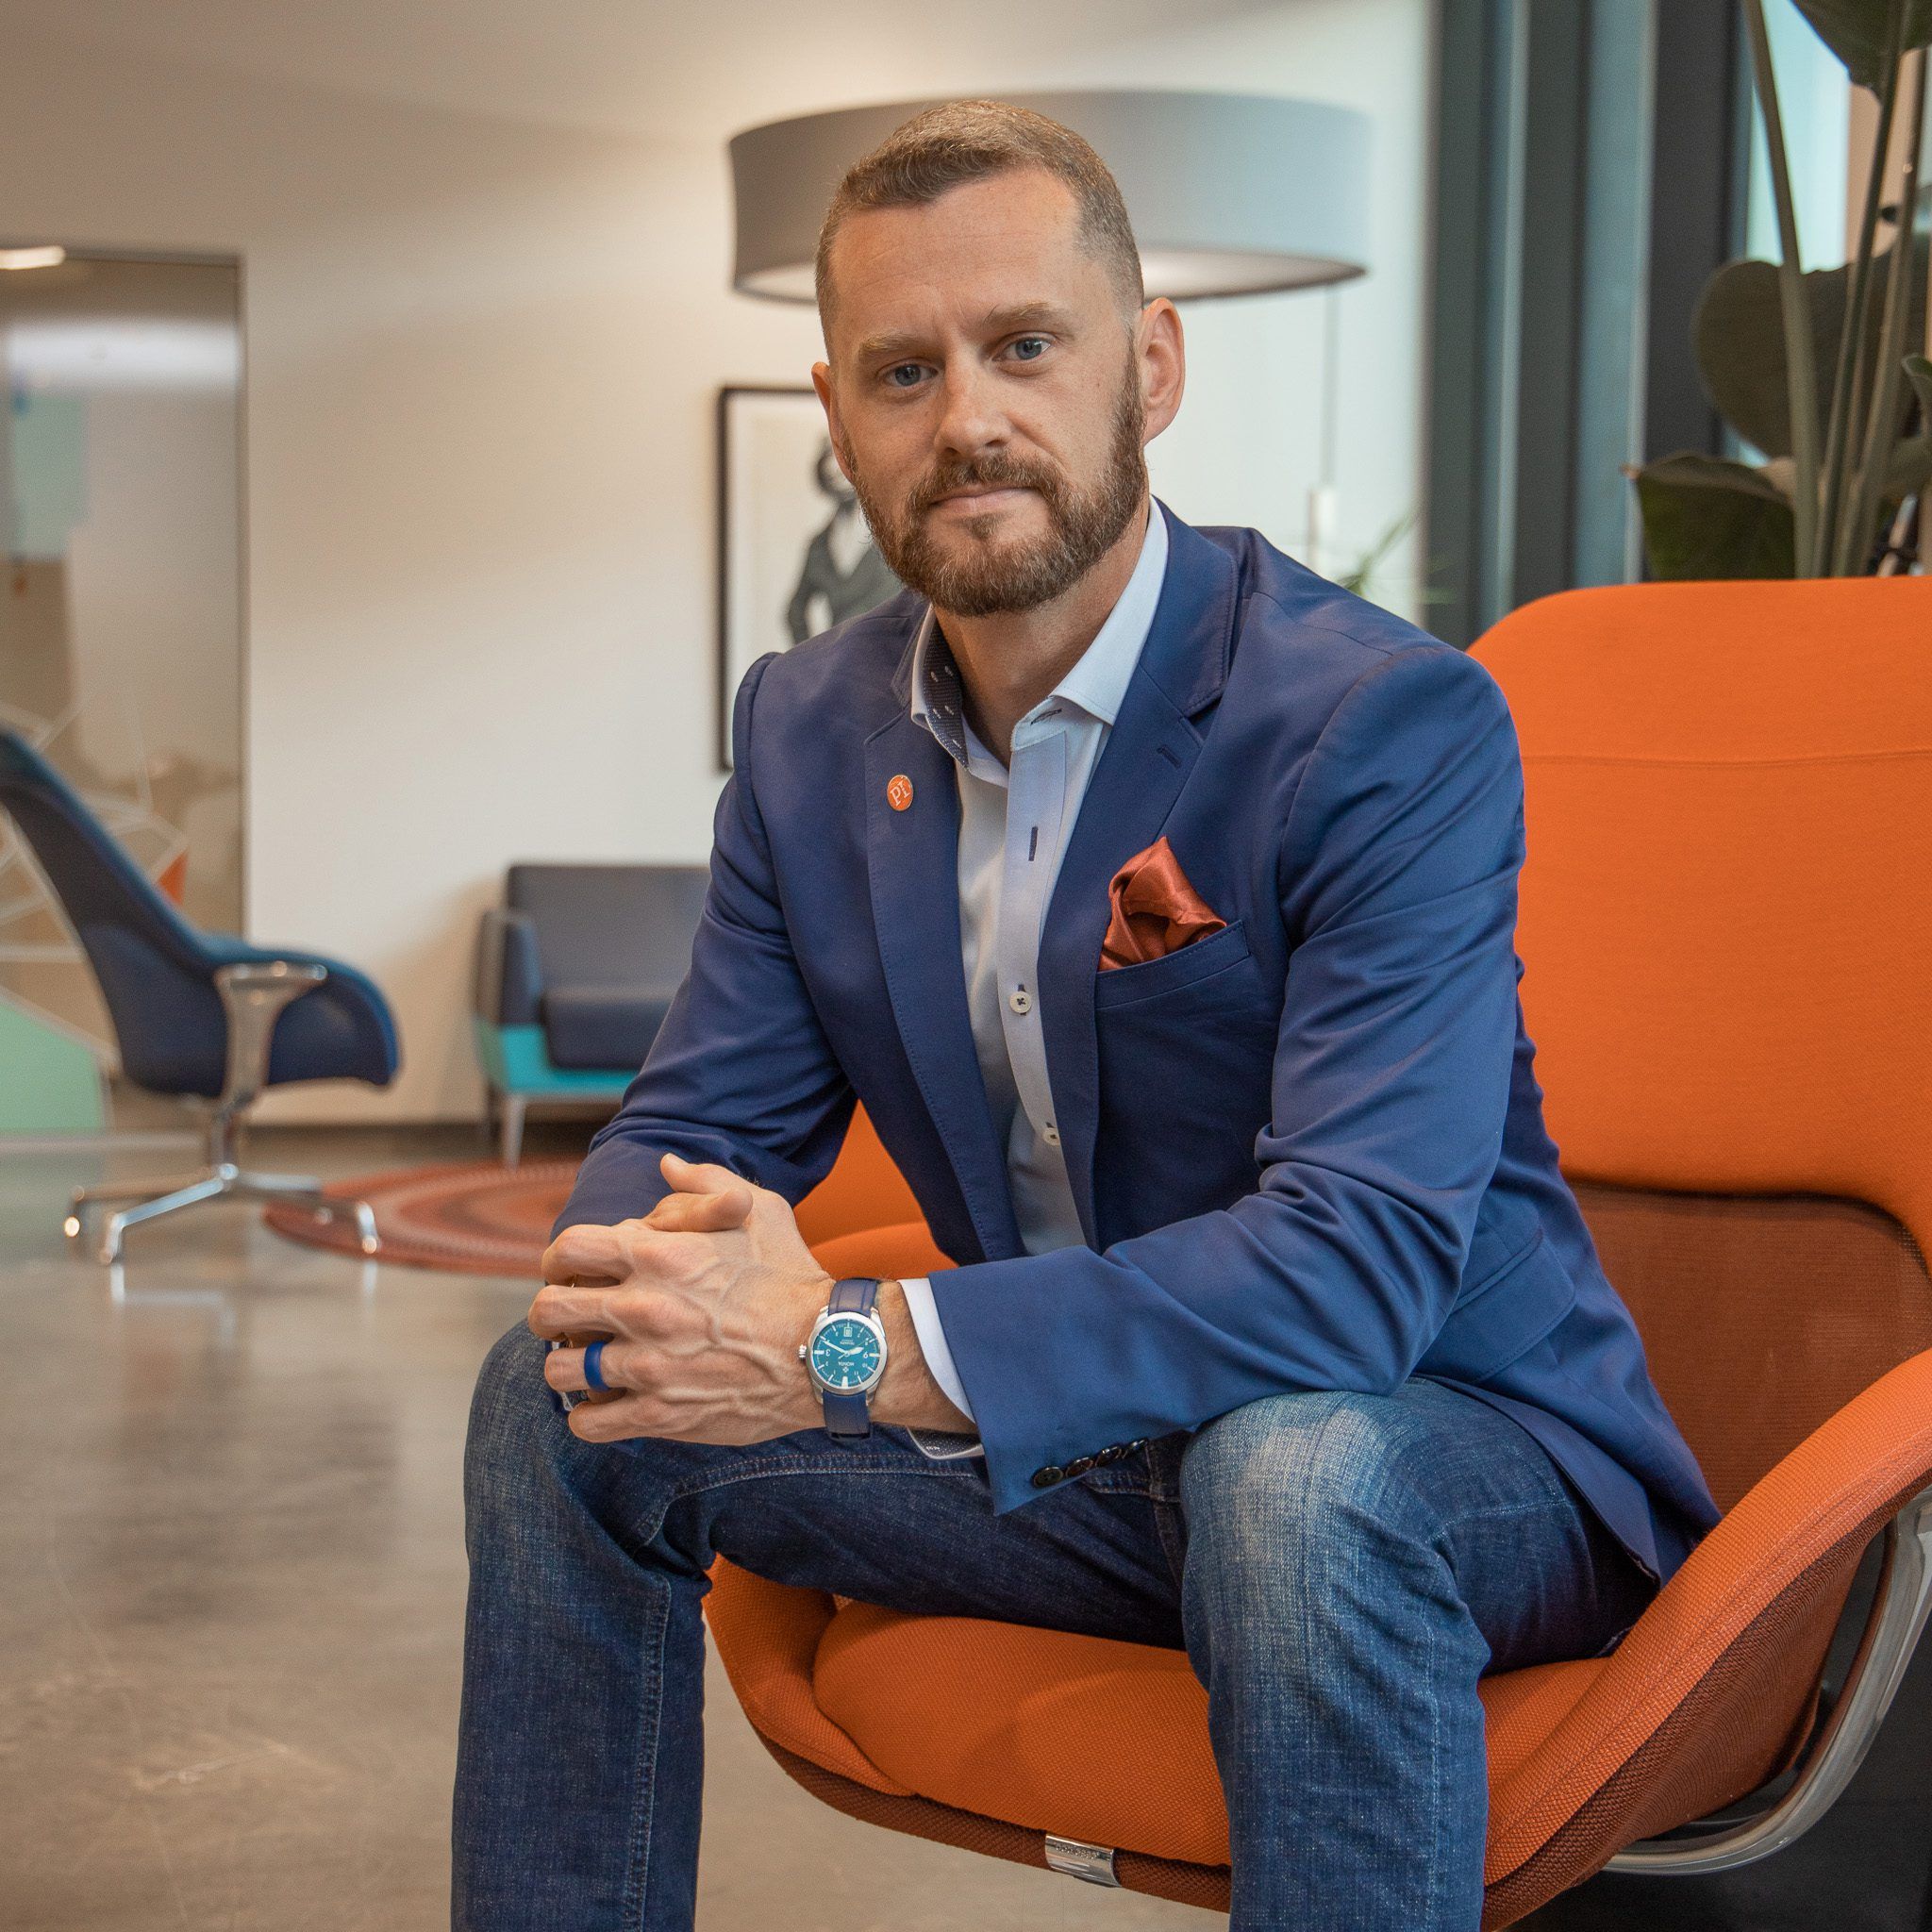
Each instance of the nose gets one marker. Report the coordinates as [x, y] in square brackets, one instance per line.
[971, 423]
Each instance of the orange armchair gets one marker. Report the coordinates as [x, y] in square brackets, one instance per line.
[1726, 931]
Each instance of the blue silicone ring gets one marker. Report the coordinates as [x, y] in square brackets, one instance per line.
[593, 1366]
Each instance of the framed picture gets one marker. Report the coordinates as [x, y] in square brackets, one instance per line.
[795, 556]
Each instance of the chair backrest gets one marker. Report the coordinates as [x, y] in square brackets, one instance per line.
[615, 926]
[155, 974]
[1726, 925]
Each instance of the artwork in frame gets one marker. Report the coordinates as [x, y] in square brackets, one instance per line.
[795, 556]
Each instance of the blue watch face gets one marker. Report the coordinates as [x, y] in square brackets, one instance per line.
[845, 1353]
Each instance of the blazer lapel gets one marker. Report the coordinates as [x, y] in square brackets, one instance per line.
[914, 859]
[1149, 752]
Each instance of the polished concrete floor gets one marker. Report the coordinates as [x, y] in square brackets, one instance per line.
[231, 1584]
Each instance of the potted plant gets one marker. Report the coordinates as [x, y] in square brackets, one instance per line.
[1821, 371]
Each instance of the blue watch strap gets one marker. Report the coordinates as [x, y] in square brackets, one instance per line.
[846, 1413]
[854, 1295]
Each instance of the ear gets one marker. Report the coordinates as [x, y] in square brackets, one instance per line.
[835, 429]
[1160, 355]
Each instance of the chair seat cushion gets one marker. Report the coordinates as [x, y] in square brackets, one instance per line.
[1085, 1736]
[599, 1027]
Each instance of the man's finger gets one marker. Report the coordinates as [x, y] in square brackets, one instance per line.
[618, 1422]
[585, 1253]
[706, 1178]
[573, 1307]
[701, 1213]
[563, 1368]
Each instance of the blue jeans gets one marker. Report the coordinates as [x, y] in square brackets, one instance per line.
[1339, 1568]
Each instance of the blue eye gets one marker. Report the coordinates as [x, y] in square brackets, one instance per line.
[898, 370]
[1024, 339]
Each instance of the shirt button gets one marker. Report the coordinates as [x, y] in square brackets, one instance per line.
[1020, 1000]
[1051, 1135]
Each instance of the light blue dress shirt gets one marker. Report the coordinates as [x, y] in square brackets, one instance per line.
[1014, 823]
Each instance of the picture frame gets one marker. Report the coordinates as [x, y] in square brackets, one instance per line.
[795, 556]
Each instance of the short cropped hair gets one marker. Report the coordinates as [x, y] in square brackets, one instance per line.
[958, 141]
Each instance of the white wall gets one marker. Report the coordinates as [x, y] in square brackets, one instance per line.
[482, 358]
[1245, 446]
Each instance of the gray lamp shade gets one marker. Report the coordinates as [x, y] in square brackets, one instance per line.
[1229, 195]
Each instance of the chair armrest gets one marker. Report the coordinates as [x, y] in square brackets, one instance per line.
[342, 1030]
[255, 994]
[1724, 1666]
[509, 970]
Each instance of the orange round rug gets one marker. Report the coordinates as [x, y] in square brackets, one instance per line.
[472, 1218]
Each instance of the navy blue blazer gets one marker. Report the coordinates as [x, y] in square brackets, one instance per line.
[1308, 1151]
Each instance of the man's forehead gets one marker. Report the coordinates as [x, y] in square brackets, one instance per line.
[980, 248]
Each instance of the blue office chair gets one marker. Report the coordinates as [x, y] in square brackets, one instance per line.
[198, 1015]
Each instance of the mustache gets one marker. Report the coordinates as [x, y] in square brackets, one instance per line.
[987, 473]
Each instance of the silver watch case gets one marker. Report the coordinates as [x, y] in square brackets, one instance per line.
[811, 1374]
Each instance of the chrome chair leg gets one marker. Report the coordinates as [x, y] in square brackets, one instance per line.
[331, 1208]
[120, 1222]
[367, 1237]
[514, 1106]
[83, 1198]
[276, 1186]
[304, 1191]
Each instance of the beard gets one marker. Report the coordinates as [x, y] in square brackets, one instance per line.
[991, 578]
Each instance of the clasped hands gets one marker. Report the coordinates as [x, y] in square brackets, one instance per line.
[705, 1300]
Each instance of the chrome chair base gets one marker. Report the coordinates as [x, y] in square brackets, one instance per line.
[254, 994]
[152, 1199]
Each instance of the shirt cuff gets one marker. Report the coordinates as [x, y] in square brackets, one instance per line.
[941, 1445]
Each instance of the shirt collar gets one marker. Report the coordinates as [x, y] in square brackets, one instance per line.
[1098, 680]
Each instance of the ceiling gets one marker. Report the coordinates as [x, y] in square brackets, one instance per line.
[627, 67]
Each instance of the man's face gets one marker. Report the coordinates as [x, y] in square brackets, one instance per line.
[984, 393]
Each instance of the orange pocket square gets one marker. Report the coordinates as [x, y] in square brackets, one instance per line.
[1156, 911]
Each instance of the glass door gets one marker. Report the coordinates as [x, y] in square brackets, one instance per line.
[121, 590]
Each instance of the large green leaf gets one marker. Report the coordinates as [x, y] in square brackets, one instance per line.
[1855, 31]
[1739, 333]
[1910, 468]
[1918, 374]
[1705, 517]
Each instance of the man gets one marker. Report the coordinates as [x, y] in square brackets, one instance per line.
[1158, 898]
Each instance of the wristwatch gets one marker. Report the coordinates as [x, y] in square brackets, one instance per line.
[845, 1357]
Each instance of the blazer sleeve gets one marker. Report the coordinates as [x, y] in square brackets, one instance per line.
[740, 1072]
[1397, 883]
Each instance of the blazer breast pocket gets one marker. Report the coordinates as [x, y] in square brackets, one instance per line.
[1125, 986]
